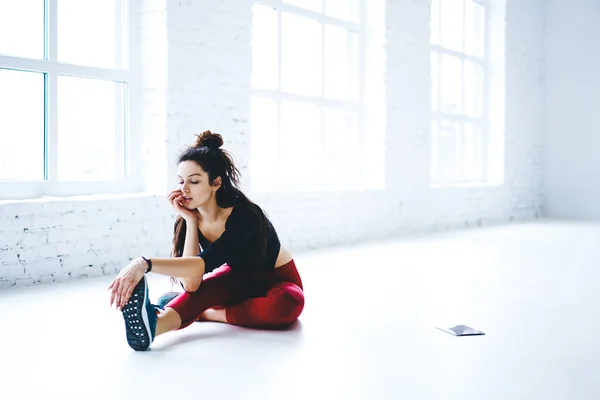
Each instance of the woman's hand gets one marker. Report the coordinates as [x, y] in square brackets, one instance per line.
[176, 200]
[123, 285]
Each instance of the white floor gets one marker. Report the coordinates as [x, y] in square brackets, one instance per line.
[367, 331]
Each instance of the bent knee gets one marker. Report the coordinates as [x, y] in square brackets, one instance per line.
[289, 304]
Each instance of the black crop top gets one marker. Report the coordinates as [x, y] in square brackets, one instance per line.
[238, 245]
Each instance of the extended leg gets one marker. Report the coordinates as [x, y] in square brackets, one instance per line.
[168, 321]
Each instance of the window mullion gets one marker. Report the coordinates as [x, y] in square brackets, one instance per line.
[462, 132]
[439, 82]
[120, 118]
[362, 108]
[278, 166]
[51, 126]
[52, 31]
[485, 130]
[323, 79]
[344, 104]
[52, 95]
[121, 91]
[314, 15]
[121, 42]
[462, 56]
[461, 139]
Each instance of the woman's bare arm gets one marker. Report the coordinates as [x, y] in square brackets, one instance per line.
[179, 267]
[190, 278]
[122, 286]
[191, 249]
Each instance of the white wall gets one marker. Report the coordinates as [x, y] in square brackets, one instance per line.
[199, 79]
[572, 164]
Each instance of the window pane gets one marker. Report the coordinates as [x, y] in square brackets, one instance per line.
[21, 125]
[88, 33]
[452, 24]
[435, 81]
[474, 90]
[90, 124]
[375, 15]
[313, 5]
[474, 28]
[22, 20]
[472, 156]
[434, 23]
[341, 145]
[341, 63]
[265, 52]
[434, 150]
[264, 141]
[342, 9]
[446, 151]
[301, 144]
[451, 84]
[301, 55]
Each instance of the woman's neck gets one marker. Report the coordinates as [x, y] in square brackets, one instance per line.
[211, 212]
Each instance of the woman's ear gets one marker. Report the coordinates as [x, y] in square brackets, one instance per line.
[217, 183]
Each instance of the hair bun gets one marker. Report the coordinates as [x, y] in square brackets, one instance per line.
[209, 139]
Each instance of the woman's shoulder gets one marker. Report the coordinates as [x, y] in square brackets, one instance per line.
[244, 213]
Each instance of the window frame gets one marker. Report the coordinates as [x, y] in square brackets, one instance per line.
[52, 69]
[482, 179]
[357, 106]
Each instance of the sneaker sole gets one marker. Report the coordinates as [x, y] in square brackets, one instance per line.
[137, 325]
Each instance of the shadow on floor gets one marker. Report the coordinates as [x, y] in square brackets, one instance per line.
[289, 335]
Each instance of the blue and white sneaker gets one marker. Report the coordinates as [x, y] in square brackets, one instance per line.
[166, 299]
[140, 318]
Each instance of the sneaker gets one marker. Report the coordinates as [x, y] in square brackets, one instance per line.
[140, 318]
[165, 299]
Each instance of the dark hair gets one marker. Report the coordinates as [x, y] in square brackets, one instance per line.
[217, 162]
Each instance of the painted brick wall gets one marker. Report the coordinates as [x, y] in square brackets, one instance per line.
[572, 135]
[194, 63]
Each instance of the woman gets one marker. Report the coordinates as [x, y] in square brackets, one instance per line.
[242, 276]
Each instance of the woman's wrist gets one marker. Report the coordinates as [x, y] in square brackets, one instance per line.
[189, 221]
[146, 263]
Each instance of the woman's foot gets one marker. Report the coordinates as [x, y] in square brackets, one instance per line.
[165, 299]
[140, 318]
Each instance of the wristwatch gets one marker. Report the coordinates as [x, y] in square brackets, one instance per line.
[149, 264]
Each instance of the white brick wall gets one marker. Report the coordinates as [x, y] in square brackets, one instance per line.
[572, 135]
[54, 240]
[207, 64]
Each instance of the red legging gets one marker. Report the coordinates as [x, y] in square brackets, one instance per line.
[263, 300]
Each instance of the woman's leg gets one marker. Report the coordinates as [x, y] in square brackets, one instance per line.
[219, 288]
[214, 315]
[282, 305]
[167, 321]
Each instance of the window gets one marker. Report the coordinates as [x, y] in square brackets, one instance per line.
[459, 72]
[63, 97]
[317, 84]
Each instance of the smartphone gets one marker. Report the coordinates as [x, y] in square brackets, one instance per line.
[461, 330]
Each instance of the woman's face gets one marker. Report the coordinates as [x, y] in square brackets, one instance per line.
[194, 184]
